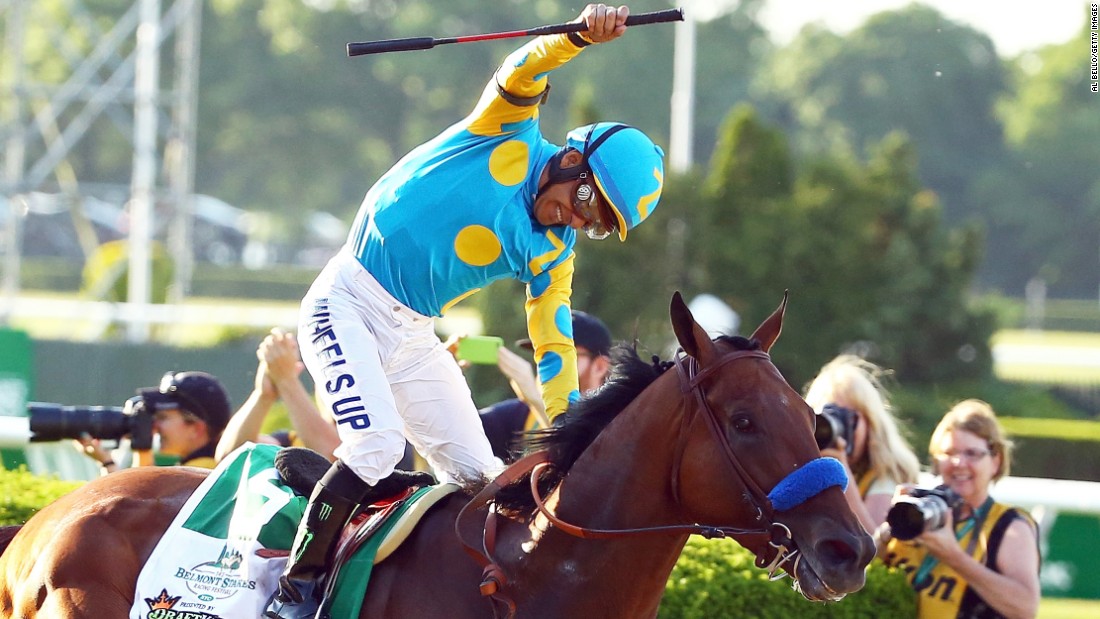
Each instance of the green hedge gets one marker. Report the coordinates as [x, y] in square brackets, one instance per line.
[717, 578]
[284, 283]
[1055, 448]
[23, 494]
[920, 408]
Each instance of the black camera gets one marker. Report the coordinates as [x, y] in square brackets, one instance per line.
[836, 421]
[923, 509]
[53, 422]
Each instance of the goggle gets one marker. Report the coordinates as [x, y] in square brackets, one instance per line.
[170, 388]
[586, 204]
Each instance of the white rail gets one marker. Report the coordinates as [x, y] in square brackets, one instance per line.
[15, 432]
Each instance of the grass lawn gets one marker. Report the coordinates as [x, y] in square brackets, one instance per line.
[1061, 608]
[1057, 357]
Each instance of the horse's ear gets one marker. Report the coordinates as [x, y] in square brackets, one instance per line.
[768, 331]
[693, 338]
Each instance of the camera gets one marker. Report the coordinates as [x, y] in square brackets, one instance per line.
[923, 509]
[53, 422]
[836, 421]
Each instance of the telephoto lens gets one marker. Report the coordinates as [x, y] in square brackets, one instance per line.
[53, 422]
[826, 431]
[923, 510]
[833, 423]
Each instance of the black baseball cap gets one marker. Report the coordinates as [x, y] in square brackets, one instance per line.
[198, 393]
[588, 331]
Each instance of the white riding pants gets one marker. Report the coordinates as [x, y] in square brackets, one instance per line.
[384, 375]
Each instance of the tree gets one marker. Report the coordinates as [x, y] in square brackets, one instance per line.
[911, 70]
[1043, 203]
[861, 248]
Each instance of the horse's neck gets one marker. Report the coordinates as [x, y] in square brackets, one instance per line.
[622, 481]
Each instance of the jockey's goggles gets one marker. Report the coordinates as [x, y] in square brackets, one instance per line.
[585, 202]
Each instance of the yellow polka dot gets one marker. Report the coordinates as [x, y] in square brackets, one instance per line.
[508, 163]
[477, 246]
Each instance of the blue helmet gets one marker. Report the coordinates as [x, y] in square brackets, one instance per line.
[628, 168]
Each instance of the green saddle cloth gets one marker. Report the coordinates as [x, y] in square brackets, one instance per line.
[354, 576]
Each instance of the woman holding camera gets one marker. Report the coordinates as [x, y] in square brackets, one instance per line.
[849, 395]
[984, 559]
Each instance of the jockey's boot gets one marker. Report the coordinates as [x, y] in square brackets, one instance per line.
[333, 502]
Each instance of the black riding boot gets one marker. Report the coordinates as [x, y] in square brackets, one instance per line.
[334, 501]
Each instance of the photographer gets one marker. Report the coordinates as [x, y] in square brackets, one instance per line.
[978, 558]
[857, 427]
[189, 410]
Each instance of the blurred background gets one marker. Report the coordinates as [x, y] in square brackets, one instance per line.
[922, 177]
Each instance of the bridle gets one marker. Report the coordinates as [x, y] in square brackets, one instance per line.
[691, 383]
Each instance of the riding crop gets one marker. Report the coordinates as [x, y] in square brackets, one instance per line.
[415, 43]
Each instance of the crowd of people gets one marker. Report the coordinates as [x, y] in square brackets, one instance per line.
[983, 560]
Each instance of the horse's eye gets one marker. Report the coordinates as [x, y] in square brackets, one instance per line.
[742, 423]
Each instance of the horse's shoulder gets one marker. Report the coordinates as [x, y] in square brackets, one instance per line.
[119, 516]
[153, 480]
[128, 504]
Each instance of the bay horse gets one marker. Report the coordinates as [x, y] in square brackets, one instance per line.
[711, 437]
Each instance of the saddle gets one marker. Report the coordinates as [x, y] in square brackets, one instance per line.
[372, 534]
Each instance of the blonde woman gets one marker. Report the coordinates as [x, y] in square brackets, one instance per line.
[984, 560]
[878, 457]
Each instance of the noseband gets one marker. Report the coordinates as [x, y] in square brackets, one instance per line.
[798, 486]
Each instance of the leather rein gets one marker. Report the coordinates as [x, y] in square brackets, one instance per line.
[691, 382]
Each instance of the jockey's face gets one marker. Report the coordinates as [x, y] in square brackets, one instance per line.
[554, 205]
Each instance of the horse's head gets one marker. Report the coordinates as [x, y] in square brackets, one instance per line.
[749, 460]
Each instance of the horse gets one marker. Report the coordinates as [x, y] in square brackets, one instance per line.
[618, 488]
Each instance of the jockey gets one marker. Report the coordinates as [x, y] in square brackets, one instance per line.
[489, 198]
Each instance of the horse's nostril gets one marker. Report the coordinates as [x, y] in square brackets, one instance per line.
[837, 551]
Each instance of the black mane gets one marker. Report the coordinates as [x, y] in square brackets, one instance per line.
[574, 431]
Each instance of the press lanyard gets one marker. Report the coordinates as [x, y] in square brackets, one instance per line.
[973, 523]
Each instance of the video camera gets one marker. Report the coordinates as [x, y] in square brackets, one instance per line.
[53, 422]
[923, 509]
[836, 421]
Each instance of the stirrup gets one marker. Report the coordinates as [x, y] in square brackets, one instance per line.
[279, 610]
[291, 601]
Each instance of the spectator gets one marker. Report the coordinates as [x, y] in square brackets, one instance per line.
[984, 561]
[277, 377]
[489, 198]
[191, 411]
[505, 421]
[877, 458]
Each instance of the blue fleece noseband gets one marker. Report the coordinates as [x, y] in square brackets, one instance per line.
[807, 482]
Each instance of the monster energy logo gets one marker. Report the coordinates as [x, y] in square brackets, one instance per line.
[324, 512]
